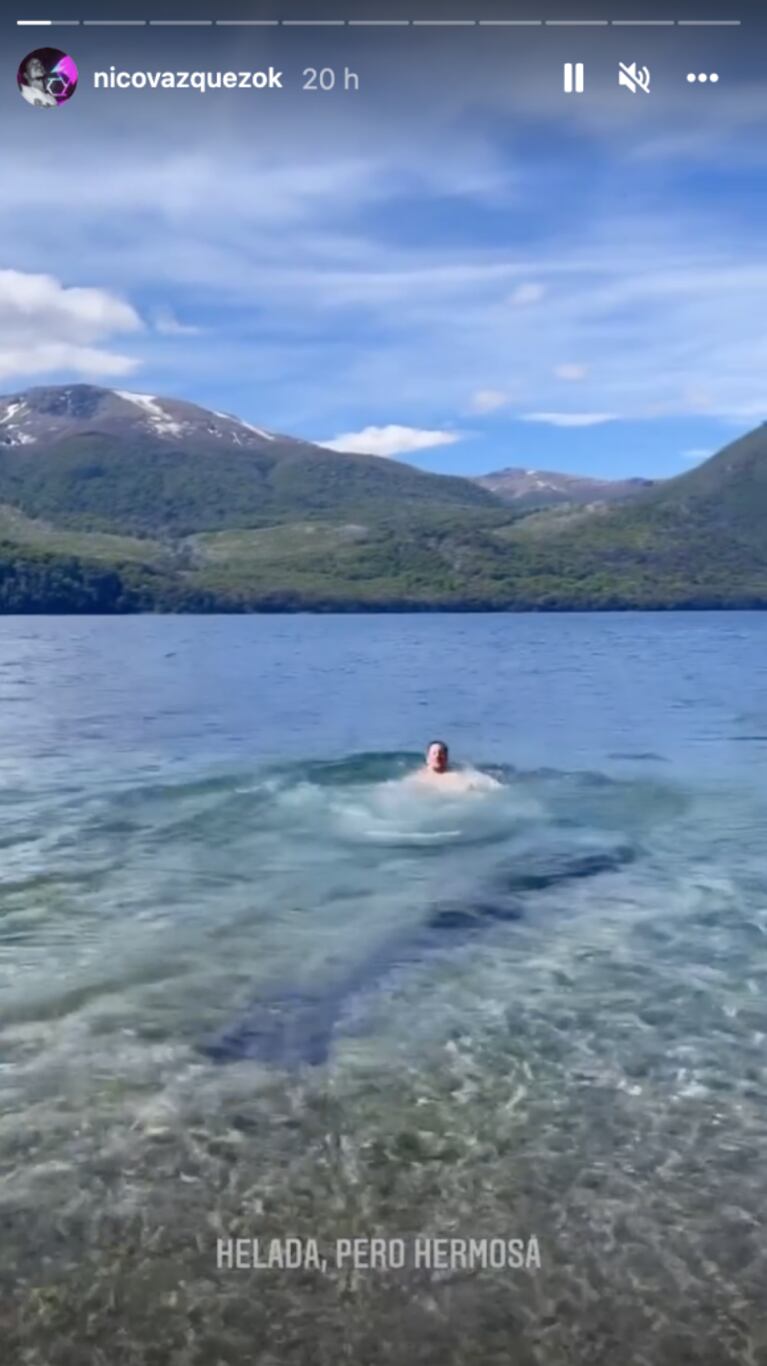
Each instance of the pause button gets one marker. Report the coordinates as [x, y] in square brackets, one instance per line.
[573, 78]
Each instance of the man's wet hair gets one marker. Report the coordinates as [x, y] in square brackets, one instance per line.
[441, 744]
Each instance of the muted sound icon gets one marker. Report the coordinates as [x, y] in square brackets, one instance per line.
[634, 77]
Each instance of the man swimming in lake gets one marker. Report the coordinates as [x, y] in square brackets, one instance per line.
[437, 774]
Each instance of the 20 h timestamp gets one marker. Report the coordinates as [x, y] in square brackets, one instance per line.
[327, 78]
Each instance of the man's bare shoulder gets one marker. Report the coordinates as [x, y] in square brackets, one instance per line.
[456, 780]
[483, 782]
[472, 780]
[423, 777]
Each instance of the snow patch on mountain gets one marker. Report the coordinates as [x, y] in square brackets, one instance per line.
[162, 423]
[523, 486]
[11, 435]
[268, 436]
[239, 422]
[11, 410]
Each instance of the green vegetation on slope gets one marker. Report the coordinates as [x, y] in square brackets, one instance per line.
[696, 541]
[18, 529]
[143, 486]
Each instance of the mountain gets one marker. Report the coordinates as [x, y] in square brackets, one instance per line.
[114, 461]
[698, 540]
[118, 502]
[545, 488]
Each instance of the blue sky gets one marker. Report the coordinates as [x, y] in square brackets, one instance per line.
[459, 265]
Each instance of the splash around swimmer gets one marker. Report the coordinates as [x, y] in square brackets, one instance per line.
[436, 775]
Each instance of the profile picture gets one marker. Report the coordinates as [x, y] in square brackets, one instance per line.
[47, 77]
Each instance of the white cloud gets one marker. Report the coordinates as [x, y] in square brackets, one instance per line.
[569, 419]
[50, 358]
[168, 325]
[488, 400]
[526, 294]
[47, 328]
[319, 304]
[571, 372]
[696, 455]
[391, 440]
[747, 412]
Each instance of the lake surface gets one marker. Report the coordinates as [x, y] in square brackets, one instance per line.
[250, 986]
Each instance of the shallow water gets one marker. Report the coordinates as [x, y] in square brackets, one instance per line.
[252, 986]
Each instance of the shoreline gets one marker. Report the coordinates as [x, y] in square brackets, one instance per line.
[405, 609]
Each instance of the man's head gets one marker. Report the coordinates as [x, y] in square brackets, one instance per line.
[34, 70]
[436, 756]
